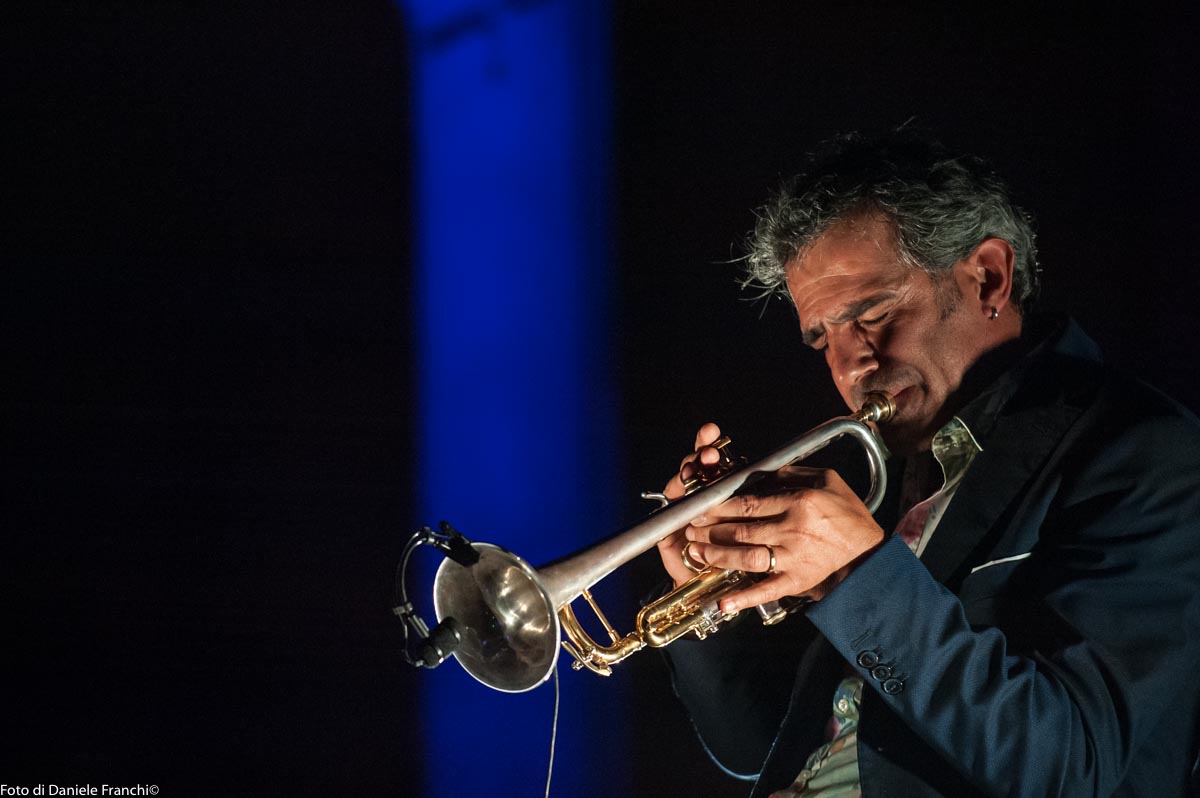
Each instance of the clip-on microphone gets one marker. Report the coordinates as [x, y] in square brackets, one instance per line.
[439, 643]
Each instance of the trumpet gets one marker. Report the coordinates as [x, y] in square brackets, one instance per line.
[511, 616]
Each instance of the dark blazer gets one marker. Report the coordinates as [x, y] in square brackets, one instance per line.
[1047, 643]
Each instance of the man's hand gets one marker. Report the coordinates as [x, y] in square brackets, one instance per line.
[816, 526]
[671, 547]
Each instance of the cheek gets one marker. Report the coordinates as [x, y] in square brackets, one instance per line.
[900, 344]
[921, 351]
[942, 362]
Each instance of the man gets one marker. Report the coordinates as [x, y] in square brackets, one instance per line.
[1028, 621]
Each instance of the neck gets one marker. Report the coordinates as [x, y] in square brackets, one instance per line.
[1002, 350]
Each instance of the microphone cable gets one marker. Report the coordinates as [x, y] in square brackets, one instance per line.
[553, 731]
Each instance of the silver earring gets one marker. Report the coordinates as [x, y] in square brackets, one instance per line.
[995, 313]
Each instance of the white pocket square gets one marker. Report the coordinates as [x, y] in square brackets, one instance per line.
[1002, 560]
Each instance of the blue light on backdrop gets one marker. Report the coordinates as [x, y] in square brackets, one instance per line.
[517, 418]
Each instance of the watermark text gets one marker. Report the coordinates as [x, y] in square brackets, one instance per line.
[63, 790]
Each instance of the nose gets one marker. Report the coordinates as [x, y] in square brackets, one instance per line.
[850, 355]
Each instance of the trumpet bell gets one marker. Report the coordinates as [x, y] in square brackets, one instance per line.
[510, 629]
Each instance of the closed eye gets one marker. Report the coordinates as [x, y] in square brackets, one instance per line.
[878, 318]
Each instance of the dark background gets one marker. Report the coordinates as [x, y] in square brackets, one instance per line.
[206, 416]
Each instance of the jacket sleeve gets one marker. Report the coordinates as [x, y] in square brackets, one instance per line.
[1085, 653]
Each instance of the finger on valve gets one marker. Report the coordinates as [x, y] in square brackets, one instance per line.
[702, 455]
[670, 549]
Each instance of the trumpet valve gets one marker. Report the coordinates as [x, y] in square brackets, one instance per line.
[707, 474]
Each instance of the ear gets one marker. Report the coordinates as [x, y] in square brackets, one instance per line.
[986, 275]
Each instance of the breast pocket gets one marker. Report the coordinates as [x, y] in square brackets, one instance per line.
[989, 586]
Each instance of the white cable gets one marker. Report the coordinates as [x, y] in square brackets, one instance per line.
[553, 732]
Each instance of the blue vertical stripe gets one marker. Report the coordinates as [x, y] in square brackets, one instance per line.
[517, 418]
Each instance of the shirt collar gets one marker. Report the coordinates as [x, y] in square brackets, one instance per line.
[954, 447]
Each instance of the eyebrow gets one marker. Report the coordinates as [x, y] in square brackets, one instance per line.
[849, 313]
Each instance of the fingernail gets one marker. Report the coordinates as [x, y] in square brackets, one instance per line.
[703, 519]
[731, 607]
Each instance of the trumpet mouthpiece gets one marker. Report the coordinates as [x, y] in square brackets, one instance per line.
[877, 406]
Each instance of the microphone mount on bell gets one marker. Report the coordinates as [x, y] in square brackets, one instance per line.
[437, 644]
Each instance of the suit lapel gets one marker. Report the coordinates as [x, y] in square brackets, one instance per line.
[1022, 436]
[1016, 450]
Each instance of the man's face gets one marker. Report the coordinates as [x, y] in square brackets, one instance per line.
[884, 325]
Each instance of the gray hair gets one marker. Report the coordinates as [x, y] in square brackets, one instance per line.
[941, 207]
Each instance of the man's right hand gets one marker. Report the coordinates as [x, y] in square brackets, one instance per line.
[670, 548]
